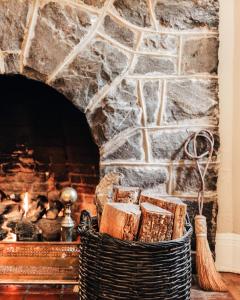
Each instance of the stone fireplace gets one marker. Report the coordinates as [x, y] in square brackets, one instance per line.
[143, 72]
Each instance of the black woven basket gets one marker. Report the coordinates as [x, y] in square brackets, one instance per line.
[111, 269]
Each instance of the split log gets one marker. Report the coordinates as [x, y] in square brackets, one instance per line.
[120, 220]
[125, 194]
[104, 190]
[156, 224]
[175, 206]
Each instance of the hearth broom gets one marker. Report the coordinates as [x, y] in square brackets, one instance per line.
[208, 277]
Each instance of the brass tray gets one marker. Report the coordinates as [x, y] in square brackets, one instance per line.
[39, 262]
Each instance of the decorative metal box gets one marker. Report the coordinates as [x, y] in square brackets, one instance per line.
[42, 263]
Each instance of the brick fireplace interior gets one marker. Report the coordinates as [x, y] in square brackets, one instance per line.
[45, 145]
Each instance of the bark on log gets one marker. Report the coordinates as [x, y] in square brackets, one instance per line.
[120, 220]
[156, 224]
[104, 190]
[125, 194]
[175, 206]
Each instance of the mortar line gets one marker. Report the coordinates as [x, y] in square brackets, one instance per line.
[28, 34]
[180, 163]
[78, 48]
[162, 106]
[160, 95]
[162, 31]
[84, 6]
[144, 131]
[155, 23]
[180, 55]
[11, 51]
[170, 181]
[191, 76]
[121, 46]
[2, 64]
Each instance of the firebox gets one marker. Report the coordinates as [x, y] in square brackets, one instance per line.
[45, 145]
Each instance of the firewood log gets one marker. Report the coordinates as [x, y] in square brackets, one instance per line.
[104, 191]
[175, 206]
[120, 220]
[125, 194]
[156, 224]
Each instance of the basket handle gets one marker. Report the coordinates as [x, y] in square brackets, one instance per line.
[85, 222]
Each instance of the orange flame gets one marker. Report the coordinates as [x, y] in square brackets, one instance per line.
[25, 204]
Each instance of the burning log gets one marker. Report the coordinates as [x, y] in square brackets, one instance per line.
[175, 206]
[37, 209]
[26, 231]
[125, 194]
[156, 224]
[51, 229]
[120, 220]
[55, 207]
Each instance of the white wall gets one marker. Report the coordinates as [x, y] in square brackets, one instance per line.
[228, 237]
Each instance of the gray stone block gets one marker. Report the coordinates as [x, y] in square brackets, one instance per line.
[118, 111]
[143, 177]
[200, 55]
[192, 99]
[152, 97]
[90, 71]
[119, 32]
[188, 14]
[153, 42]
[187, 179]
[134, 11]
[13, 21]
[147, 64]
[58, 29]
[129, 148]
[210, 211]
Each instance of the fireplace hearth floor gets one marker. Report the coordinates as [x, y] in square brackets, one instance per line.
[65, 292]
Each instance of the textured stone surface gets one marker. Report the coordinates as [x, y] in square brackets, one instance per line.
[192, 99]
[151, 95]
[90, 71]
[119, 32]
[200, 55]
[134, 11]
[59, 28]
[152, 42]
[128, 148]
[167, 144]
[11, 63]
[143, 177]
[12, 24]
[118, 111]
[187, 179]
[210, 212]
[97, 3]
[187, 14]
[147, 64]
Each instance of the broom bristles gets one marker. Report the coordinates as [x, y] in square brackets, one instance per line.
[208, 277]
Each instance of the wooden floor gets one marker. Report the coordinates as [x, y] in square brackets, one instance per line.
[44, 292]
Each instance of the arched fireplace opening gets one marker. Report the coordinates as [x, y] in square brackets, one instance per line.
[45, 145]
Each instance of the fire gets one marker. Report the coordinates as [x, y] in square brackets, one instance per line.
[25, 204]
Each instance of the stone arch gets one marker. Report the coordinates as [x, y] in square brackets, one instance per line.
[143, 71]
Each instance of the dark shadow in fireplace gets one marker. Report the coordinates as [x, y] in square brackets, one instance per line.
[45, 145]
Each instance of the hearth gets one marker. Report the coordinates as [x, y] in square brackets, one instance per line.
[45, 146]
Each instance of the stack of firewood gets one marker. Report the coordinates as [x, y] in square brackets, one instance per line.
[130, 214]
